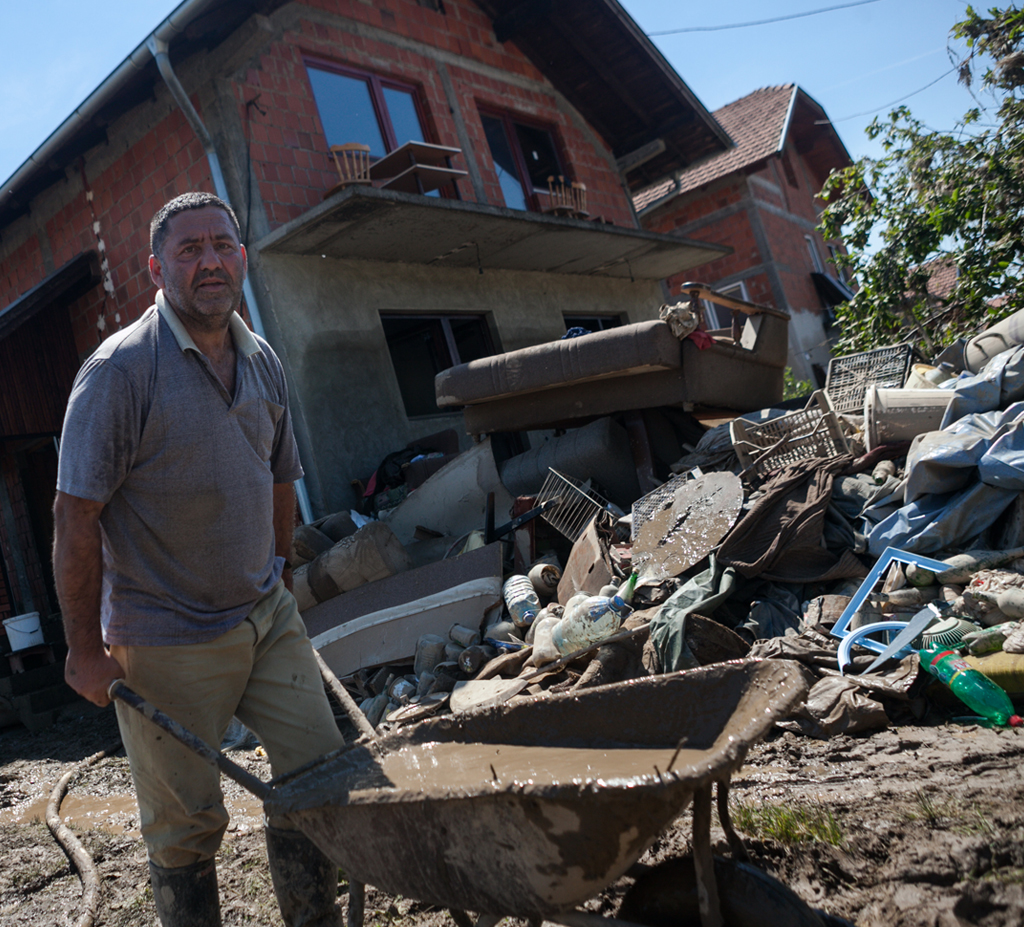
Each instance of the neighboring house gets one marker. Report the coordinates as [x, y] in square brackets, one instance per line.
[368, 293]
[760, 199]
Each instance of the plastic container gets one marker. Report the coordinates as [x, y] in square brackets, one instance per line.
[590, 619]
[813, 432]
[849, 377]
[973, 688]
[521, 599]
[893, 415]
[24, 631]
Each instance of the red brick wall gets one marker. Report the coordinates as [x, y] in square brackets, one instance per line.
[289, 152]
[21, 271]
[785, 237]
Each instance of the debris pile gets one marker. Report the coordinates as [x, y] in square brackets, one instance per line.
[886, 508]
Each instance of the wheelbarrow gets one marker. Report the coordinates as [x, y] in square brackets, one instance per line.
[531, 808]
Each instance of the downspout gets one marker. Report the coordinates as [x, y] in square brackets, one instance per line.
[158, 48]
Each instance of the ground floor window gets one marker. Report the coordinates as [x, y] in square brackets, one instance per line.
[592, 323]
[421, 346]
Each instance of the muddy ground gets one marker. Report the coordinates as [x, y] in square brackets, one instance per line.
[914, 826]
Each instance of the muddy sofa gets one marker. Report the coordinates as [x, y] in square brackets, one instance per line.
[636, 366]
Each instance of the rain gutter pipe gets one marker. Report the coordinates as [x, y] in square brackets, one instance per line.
[158, 48]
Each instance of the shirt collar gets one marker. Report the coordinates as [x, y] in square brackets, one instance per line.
[245, 343]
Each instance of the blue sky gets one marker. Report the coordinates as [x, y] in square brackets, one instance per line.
[851, 61]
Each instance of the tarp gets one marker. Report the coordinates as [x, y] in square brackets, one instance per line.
[959, 481]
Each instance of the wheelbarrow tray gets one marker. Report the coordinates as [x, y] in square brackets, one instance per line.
[531, 808]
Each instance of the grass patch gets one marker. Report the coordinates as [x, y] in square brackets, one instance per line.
[788, 824]
[958, 817]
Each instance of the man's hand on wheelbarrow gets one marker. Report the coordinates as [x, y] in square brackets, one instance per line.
[90, 674]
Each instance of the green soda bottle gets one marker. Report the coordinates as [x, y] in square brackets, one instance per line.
[972, 687]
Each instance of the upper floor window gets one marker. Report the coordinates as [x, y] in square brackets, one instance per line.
[716, 317]
[358, 107]
[524, 158]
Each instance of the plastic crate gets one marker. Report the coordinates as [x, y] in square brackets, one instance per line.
[849, 377]
[577, 506]
[813, 432]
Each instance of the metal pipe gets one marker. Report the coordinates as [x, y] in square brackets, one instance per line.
[158, 48]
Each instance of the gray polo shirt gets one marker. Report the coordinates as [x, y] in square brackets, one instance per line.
[186, 473]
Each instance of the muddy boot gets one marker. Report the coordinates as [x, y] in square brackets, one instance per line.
[305, 881]
[187, 896]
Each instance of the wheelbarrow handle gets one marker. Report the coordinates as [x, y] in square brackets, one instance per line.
[119, 690]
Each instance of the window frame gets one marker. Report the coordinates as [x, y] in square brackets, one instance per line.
[726, 290]
[449, 340]
[509, 120]
[376, 84]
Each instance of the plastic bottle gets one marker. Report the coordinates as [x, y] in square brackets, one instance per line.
[591, 619]
[521, 599]
[973, 688]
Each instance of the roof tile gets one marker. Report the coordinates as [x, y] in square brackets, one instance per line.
[755, 124]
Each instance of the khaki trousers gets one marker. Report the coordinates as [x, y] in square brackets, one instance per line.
[262, 670]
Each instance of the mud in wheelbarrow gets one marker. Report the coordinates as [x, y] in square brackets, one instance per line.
[532, 808]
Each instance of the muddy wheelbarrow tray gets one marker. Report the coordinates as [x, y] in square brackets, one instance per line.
[532, 808]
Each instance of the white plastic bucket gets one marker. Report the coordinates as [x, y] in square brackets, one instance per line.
[893, 415]
[24, 631]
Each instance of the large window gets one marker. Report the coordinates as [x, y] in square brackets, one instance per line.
[524, 158]
[357, 107]
[421, 346]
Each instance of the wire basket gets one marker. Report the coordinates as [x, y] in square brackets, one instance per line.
[656, 501]
[813, 432]
[849, 377]
[578, 504]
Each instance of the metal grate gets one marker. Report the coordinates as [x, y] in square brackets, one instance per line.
[646, 507]
[813, 432]
[849, 377]
[578, 504]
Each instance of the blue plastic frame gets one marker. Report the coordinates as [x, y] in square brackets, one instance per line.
[889, 555]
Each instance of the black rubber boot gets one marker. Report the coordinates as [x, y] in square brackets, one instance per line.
[186, 897]
[305, 881]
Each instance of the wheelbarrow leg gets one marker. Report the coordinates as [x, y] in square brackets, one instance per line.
[703, 861]
[356, 895]
[736, 844]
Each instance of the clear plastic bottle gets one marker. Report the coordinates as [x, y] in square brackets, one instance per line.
[972, 687]
[521, 599]
[588, 620]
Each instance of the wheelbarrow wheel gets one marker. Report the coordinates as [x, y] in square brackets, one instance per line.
[666, 896]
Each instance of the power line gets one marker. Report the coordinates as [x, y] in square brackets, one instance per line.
[868, 112]
[763, 22]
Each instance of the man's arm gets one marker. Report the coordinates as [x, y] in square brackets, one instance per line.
[78, 570]
[284, 526]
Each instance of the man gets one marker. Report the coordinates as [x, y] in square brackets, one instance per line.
[174, 518]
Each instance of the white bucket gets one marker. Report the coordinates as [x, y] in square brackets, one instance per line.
[894, 415]
[24, 631]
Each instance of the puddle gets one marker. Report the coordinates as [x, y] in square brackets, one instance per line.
[118, 813]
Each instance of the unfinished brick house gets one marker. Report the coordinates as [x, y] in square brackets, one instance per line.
[760, 199]
[366, 290]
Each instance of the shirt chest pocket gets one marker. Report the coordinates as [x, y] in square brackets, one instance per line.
[258, 420]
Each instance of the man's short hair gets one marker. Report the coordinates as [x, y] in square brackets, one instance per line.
[194, 200]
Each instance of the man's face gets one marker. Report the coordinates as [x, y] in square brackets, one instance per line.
[201, 267]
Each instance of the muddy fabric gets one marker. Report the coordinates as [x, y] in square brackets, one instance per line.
[836, 705]
[781, 537]
[704, 593]
[999, 383]
[263, 671]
